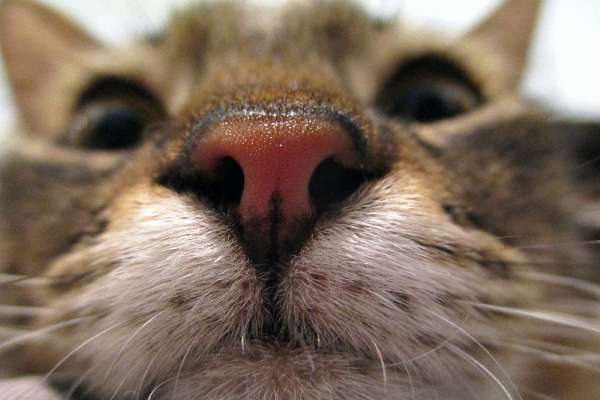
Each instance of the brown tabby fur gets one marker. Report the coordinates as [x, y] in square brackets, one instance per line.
[461, 268]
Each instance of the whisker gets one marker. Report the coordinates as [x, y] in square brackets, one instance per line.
[116, 391]
[471, 360]
[383, 369]
[410, 381]
[125, 345]
[179, 370]
[158, 387]
[547, 245]
[551, 357]
[70, 393]
[22, 311]
[7, 280]
[537, 394]
[30, 335]
[547, 316]
[297, 336]
[65, 358]
[557, 244]
[8, 333]
[445, 342]
[564, 281]
[67, 280]
[141, 385]
[559, 349]
[541, 263]
[478, 343]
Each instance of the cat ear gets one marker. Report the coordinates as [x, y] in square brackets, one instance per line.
[37, 44]
[508, 31]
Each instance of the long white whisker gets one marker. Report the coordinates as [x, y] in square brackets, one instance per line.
[126, 343]
[116, 391]
[484, 349]
[157, 387]
[141, 385]
[559, 349]
[25, 281]
[9, 333]
[75, 385]
[410, 381]
[383, 369]
[572, 360]
[79, 347]
[470, 359]
[22, 311]
[564, 281]
[537, 394]
[445, 342]
[547, 316]
[557, 244]
[179, 370]
[39, 332]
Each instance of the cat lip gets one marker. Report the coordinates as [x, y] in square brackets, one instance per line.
[278, 339]
[252, 348]
[270, 243]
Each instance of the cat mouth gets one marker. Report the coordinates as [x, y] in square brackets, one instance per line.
[271, 242]
[254, 347]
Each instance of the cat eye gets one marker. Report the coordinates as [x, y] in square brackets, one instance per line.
[428, 89]
[113, 114]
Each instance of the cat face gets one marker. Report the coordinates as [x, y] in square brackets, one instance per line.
[312, 205]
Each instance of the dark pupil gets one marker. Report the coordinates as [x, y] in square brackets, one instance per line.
[427, 104]
[118, 129]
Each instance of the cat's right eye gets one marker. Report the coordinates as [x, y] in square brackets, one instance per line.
[113, 114]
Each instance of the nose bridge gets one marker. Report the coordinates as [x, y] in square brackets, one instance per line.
[275, 77]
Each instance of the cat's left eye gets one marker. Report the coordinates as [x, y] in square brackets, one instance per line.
[428, 89]
[113, 114]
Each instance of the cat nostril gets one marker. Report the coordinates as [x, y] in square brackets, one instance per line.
[225, 185]
[262, 165]
[332, 182]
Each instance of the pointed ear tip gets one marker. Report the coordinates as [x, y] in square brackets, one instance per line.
[11, 8]
[29, 18]
[12, 13]
[23, 9]
[7, 6]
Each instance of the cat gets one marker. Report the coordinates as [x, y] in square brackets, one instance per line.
[303, 203]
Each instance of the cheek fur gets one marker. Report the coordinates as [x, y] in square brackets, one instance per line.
[178, 282]
[181, 290]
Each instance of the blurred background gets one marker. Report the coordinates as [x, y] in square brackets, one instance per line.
[563, 73]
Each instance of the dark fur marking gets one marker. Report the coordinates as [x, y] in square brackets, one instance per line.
[355, 287]
[182, 299]
[401, 300]
[429, 340]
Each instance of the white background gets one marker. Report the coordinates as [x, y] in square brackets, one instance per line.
[564, 71]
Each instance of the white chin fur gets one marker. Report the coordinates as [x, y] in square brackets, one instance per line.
[368, 289]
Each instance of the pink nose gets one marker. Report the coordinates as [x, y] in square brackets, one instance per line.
[278, 157]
